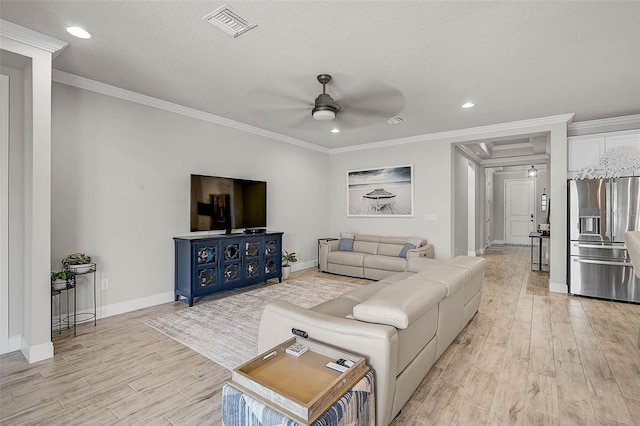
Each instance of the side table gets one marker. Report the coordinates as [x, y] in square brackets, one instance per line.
[319, 241]
[540, 237]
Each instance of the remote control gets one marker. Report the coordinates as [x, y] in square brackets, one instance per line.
[334, 366]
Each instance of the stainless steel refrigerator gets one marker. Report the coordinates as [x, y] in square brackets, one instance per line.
[600, 212]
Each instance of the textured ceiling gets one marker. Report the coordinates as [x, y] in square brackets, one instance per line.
[419, 60]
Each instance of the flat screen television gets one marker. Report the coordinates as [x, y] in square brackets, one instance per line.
[220, 203]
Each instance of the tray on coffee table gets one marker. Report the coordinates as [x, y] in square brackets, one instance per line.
[301, 385]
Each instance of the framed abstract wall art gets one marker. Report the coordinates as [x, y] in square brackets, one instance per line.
[383, 191]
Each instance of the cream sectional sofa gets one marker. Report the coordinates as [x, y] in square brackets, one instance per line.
[374, 256]
[400, 325]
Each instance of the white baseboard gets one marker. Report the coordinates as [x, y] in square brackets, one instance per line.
[36, 353]
[497, 242]
[558, 287]
[135, 304]
[471, 253]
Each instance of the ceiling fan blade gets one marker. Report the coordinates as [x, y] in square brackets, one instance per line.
[276, 99]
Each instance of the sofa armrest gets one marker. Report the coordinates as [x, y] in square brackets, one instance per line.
[325, 248]
[426, 250]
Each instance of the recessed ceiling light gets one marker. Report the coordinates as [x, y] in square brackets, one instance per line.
[78, 32]
[468, 105]
[335, 130]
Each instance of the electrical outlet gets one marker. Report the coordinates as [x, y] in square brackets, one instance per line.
[105, 283]
[430, 217]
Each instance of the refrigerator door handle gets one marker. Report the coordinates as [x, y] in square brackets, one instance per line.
[603, 262]
[599, 246]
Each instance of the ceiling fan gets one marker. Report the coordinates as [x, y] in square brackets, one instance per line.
[362, 102]
[325, 108]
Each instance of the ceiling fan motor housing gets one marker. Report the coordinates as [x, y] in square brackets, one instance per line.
[325, 108]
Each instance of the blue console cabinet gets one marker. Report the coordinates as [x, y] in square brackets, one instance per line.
[206, 265]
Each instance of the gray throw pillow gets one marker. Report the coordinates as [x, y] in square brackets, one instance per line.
[346, 241]
[405, 249]
[412, 243]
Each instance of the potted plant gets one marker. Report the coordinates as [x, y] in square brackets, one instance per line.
[59, 280]
[287, 258]
[78, 263]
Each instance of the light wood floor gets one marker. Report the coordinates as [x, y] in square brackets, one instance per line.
[527, 357]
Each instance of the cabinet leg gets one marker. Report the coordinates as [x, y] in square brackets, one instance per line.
[176, 298]
[190, 301]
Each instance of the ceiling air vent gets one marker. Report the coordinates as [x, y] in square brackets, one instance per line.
[230, 21]
[394, 120]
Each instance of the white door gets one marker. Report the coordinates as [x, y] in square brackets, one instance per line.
[519, 196]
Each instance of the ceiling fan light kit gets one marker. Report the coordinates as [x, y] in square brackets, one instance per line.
[323, 115]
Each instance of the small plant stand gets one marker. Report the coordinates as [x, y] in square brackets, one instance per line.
[85, 269]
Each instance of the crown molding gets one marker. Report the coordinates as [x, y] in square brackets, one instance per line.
[462, 133]
[128, 95]
[614, 121]
[521, 160]
[32, 38]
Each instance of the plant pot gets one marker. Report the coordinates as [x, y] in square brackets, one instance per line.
[59, 284]
[285, 272]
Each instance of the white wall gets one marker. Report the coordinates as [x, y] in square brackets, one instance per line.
[433, 163]
[120, 189]
[432, 192]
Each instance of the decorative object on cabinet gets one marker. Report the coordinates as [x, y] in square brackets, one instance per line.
[206, 265]
[620, 161]
[286, 259]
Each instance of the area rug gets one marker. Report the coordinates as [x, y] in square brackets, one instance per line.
[225, 330]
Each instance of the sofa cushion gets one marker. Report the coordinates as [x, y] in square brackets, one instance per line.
[364, 292]
[401, 303]
[453, 277]
[396, 277]
[345, 258]
[387, 249]
[387, 263]
[366, 243]
[474, 264]
[418, 264]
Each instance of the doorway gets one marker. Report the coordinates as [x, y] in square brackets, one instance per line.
[518, 210]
